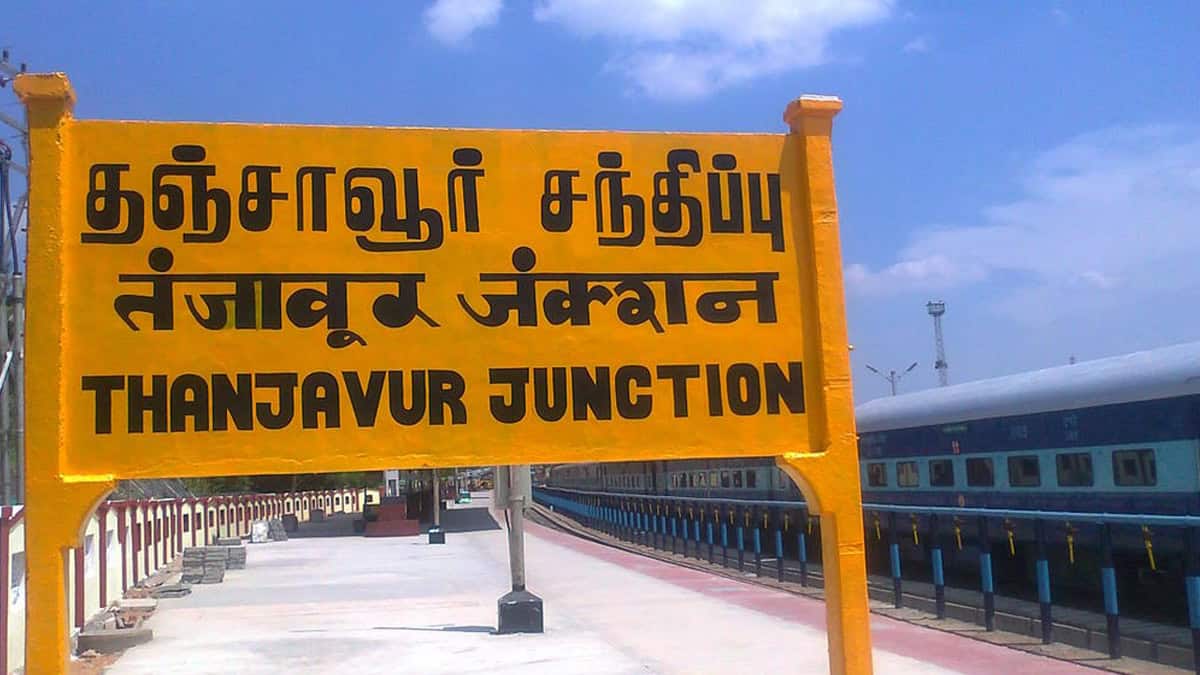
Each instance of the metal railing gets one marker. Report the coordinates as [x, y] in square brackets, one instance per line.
[739, 527]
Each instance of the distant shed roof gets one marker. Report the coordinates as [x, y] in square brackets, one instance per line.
[1153, 374]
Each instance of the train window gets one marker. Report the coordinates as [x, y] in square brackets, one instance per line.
[941, 473]
[691, 480]
[737, 479]
[701, 479]
[1074, 470]
[907, 474]
[1024, 471]
[980, 473]
[751, 479]
[712, 478]
[1070, 424]
[1134, 467]
[877, 474]
[725, 479]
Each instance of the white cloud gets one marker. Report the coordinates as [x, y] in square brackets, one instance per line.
[1106, 217]
[918, 45]
[690, 48]
[452, 21]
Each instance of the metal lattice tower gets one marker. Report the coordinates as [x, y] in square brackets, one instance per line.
[936, 309]
[12, 310]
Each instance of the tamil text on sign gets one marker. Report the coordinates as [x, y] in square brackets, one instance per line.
[355, 288]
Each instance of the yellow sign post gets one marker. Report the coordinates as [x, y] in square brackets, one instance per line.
[216, 299]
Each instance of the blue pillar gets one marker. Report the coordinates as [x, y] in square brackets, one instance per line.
[685, 532]
[687, 535]
[1108, 578]
[757, 550]
[802, 553]
[985, 575]
[696, 532]
[778, 553]
[741, 544]
[1043, 581]
[724, 544]
[710, 542]
[939, 576]
[1192, 587]
[674, 532]
[894, 554]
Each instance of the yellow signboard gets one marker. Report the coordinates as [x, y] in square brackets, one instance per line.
[209, 299]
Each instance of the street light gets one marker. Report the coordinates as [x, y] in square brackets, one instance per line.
[892, 377]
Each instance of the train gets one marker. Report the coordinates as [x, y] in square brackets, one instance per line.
[1113, 435]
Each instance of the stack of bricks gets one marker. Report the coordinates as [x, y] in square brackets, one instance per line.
[276, 531]
[204, 564]
[214, 564]
[237, 558]
[193, 565]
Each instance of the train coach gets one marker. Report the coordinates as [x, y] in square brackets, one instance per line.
[1115, 435]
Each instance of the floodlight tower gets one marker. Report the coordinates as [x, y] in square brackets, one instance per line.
[936, 309]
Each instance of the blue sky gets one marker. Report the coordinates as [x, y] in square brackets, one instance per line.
[1035, 164]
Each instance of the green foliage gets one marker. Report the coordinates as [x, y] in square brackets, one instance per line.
[216, 486]
[283, 482]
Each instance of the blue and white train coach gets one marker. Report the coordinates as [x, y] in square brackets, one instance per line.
[1116, 435]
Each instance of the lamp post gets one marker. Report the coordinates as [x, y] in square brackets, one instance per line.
[892, 377]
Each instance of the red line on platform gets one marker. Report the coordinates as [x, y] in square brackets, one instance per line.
[928, 645]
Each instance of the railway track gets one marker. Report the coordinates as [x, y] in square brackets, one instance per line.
[1079, 636]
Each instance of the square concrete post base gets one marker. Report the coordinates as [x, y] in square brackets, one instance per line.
[437, 535]
[520, 612]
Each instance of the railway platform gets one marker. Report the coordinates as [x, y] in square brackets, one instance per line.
[332, 604]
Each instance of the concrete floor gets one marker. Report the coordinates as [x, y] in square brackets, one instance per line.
[330, 604]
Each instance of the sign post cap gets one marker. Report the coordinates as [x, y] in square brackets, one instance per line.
[34, 86]
[810, 106]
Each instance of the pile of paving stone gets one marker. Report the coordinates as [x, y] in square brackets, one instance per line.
[204, 564]
[237, 557]
[171, 591]
[276, 530]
